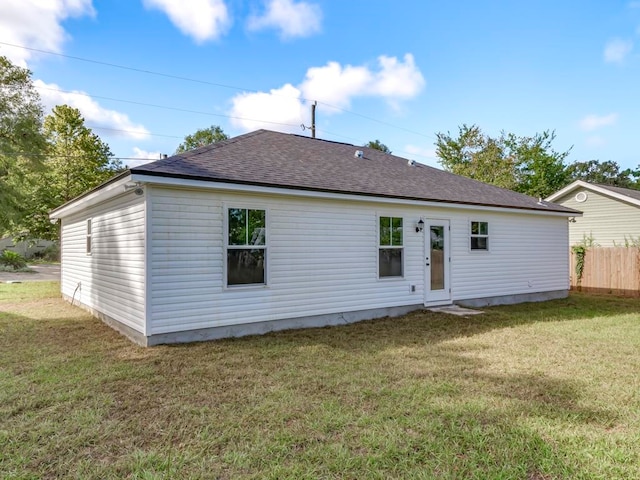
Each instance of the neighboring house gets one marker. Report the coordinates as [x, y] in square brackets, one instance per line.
[610, 215]
[268, 231]
[26, 249]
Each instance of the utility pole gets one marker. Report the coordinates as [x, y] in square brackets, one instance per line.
[313, 119]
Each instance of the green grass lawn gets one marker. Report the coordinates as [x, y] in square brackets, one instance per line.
[534, 391]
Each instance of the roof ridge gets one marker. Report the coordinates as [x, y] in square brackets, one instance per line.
[289, 160]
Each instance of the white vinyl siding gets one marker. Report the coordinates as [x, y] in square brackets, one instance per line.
[110, 279]
[607, 220]
[528, 254]
[323, 258]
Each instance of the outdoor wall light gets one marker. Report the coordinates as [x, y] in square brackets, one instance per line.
[572, 219]
[420, 226]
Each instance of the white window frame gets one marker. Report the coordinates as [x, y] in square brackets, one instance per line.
[398, 247]
[228, 247]
[89, 236]
[478, 235]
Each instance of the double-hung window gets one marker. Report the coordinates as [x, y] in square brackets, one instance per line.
[246, 247]
[479, 236]
[390, 248]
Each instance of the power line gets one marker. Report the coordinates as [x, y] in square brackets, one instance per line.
[123, 67]
[176, 109]
[215, 84]
[140, 132]
[59, 155]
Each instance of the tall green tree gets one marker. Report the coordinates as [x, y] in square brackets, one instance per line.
[202, 137]
[540, 168]
[378, 145]
[476, 155]
[22, 143]
[529, 165]
[77, 161]
[605, 173]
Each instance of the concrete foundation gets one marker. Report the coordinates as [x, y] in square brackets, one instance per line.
[316, 321]
[130, 333]
[513, 299]
[261, 328]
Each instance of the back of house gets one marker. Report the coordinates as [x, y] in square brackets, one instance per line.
[268, 231]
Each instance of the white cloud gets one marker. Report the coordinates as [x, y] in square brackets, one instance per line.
[140, 157]
[333, 85]
[37, 24]
[200, 19]
[280, 109]
[114, 123]
[337, 85]
[292, 19]
[593, 122]
[397, 79]
[616, 50]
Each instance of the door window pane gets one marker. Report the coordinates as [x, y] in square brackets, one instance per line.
[437, 257]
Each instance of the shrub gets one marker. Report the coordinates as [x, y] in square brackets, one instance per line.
[12, 259]
[49, 254]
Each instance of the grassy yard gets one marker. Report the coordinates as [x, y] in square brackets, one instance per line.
[536, 391]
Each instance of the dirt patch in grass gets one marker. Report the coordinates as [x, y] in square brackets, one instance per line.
[539, 391]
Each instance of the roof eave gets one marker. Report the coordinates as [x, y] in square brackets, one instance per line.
[594, 188]
[99, 194]
[191, 181]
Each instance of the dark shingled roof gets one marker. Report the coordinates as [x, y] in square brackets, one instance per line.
[635, 194]
[266, 158]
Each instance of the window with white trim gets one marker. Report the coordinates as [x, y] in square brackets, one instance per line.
[246, 247]
[88, 236]
[479, 236]
[390, 247]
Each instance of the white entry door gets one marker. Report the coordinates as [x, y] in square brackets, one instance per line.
[437, 262]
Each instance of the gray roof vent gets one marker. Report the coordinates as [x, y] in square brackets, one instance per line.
[359, 154]
[411, 163]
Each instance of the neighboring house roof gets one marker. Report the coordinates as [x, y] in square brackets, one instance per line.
[267, 158]
[625, 194]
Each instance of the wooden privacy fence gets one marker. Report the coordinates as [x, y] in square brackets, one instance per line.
[608, 270]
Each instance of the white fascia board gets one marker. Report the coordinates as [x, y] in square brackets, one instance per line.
[562, 192]
[97, 196]
[238, 187]
[593, 188]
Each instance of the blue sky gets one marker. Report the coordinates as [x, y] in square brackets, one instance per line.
[394, 71]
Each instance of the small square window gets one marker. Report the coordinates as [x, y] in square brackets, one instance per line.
[479, 235]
